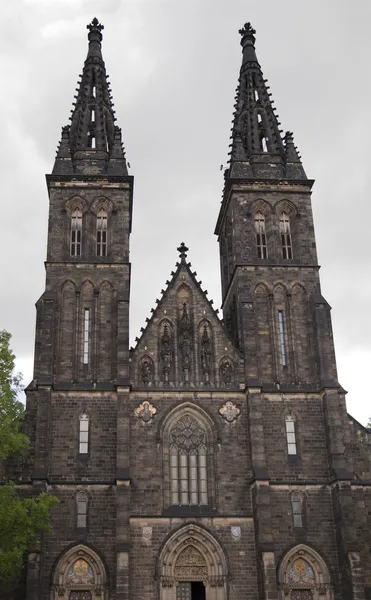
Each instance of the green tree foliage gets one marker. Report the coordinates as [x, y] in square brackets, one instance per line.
[22, 520]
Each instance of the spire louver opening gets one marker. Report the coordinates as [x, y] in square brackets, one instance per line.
[93, 140]
[257, 148]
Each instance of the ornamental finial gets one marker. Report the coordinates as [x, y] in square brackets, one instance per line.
[182, 251]
[247, 29]
[95, 25]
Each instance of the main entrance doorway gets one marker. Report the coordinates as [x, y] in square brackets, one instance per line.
[191, 590]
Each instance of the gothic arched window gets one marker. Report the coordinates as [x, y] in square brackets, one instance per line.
[188, 462]
[261, 238]
[76, 232]
[290, 435]
[102, 233]
[297, 509]
[83, 434]
[285, 235]
[82, 509]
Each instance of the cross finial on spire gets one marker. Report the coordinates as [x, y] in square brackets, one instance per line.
[182, 251]
[247, 29]
[95, 25]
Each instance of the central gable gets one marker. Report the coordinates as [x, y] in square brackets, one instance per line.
[185, 344]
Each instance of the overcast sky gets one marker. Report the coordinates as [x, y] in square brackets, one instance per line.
[173, 69]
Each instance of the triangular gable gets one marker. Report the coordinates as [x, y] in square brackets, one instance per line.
[184, 344]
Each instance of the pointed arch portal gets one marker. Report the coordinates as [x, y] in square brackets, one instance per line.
[192, 566]
[79, 575]
[303, 575]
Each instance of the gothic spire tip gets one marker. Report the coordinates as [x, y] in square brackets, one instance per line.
[182, 251]
[95, 25]
[247, 31]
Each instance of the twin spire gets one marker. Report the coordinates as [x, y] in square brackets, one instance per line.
[258, 149]
[92, 143]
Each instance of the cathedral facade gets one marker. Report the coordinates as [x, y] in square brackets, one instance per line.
[216, 459]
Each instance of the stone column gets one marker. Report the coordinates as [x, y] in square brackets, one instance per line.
[122, 496]
[356, 576]
[33, 575]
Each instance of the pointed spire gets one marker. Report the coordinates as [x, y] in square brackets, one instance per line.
[294, 168]
[257, 146]
[93, 139]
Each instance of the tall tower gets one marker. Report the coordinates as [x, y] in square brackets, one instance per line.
[271, 292]
[276, 315]
[81, 367]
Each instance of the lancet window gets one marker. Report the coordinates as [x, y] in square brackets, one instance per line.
[290, 435]
[102, 233]
[76, 232]
[83, 434]
[188, 462]
[297, 510]
[261, 238]
[82, 509]
[285, 232]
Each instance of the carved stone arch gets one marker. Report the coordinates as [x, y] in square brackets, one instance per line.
[146, 371]
[303, 574]
[79, 569]
[188, 407]
[87, 286]
[76, 202]
[286, 206]
[262, 288]
[192, 554]
[199, 431]
[184, 290]
[68, 284]
[280, 287]
[298, 288]
[262, 206]
[102, 202]
[227, 371]
[105, 284]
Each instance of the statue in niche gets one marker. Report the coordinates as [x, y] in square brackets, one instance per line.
[226, 372]
[166, 352]
[185, 341]
[206, 353]
[146, 371]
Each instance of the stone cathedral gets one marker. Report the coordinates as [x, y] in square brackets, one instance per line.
[216, 459]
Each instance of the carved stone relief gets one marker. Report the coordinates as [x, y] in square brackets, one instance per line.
[229, 411]
[166, 352]
[145, 411]
[206, 353]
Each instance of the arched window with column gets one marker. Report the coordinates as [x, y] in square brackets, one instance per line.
[188, 438]
[285, 232]
[188, 468]
[261, 237]
[76, 232]
[102, 221]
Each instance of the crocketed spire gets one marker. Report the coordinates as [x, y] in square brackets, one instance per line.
[257, 148]
[92, 144]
